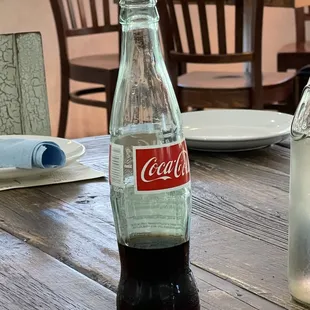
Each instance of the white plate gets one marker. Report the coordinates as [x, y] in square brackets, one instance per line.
[72, 149]
[234, 130]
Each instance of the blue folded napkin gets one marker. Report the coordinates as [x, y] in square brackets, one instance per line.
[27, 154]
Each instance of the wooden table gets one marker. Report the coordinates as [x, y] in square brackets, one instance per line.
[274, 3]
[59, 251]
[280, 3]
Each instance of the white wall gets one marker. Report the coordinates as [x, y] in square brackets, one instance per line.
[36, 15]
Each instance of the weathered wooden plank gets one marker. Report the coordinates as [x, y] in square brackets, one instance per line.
[245, 197]
[31, 279]
[237, 233]
[247, 262]
[215, 293]
[63, 226]
[23, 94]
[215, 289]
[81, 234]
[274, 158]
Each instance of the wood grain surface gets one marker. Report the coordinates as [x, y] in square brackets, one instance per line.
[32, 280]
[238, 236]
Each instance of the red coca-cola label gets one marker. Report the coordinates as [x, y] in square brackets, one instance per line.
[159, 168]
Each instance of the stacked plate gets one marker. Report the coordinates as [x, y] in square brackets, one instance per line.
[72, 149]
[234, 130]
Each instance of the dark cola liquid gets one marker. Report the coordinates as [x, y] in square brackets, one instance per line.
[156, 275]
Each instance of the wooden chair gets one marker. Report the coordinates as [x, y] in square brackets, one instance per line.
[296, 55]
[205, 89]
[71, 20]
[23, 95]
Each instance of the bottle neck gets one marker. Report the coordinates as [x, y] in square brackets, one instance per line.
[144, 97]
[140, 36]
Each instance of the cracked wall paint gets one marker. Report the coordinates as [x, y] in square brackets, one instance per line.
[23, 94]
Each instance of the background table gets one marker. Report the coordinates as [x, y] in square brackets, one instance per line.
[59, 250]
[275, 3]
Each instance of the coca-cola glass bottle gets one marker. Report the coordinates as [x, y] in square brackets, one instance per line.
[149, 173]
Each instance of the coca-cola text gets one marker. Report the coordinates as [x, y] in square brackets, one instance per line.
[161, 168]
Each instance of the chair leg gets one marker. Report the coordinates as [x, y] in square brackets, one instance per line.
[282, 65]
[110, 90]
[64, 107]
[292, 101]
[294, 97]
[288, 107]
[182, 106]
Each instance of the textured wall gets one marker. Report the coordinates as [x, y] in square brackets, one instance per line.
[23, 97]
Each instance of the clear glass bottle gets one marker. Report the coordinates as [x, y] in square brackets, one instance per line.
[149, 173]
[299, 212]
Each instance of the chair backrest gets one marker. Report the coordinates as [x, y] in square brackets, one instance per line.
[23, 99]
[78, 18]
[81, 17]
[175, 51]
[301, 16]
[172, 39]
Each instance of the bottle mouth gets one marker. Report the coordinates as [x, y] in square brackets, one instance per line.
[137, 4]
[300, 128]
[141, 12]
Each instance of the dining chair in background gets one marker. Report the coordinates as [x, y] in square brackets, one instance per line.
[73, 19]
[205, 89]
[296, 55]
[23, 94]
